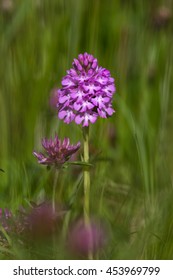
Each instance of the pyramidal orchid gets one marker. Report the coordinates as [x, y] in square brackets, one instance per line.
[86, 93]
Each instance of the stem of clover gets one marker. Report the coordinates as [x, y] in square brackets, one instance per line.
[86, 205]
[56, 174]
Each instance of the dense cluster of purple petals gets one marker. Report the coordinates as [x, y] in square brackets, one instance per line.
[57, 152]
[86, 93]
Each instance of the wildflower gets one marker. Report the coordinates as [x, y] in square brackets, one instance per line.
[83, 239]
[57, 152]
[86, 93]
[41, 220]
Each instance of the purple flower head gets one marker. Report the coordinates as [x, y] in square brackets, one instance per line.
[83, 239]
[57, 152]
[86, 93]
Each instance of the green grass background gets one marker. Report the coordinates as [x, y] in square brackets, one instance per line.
[131, 187]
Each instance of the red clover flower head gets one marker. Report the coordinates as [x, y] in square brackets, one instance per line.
[86, 93]
[57, 152]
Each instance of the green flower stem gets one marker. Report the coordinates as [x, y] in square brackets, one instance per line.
[86, 176]
[86, 183]
[54, 190]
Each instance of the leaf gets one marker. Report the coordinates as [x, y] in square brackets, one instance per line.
[2, 170]
[82, 163]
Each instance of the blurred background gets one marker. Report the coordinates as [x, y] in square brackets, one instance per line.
[132, 180]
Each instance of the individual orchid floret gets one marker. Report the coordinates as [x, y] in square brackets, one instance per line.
[86, 93]
[57, 152]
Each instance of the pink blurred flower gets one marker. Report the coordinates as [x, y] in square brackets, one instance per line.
[83, 239]
[41, 221]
